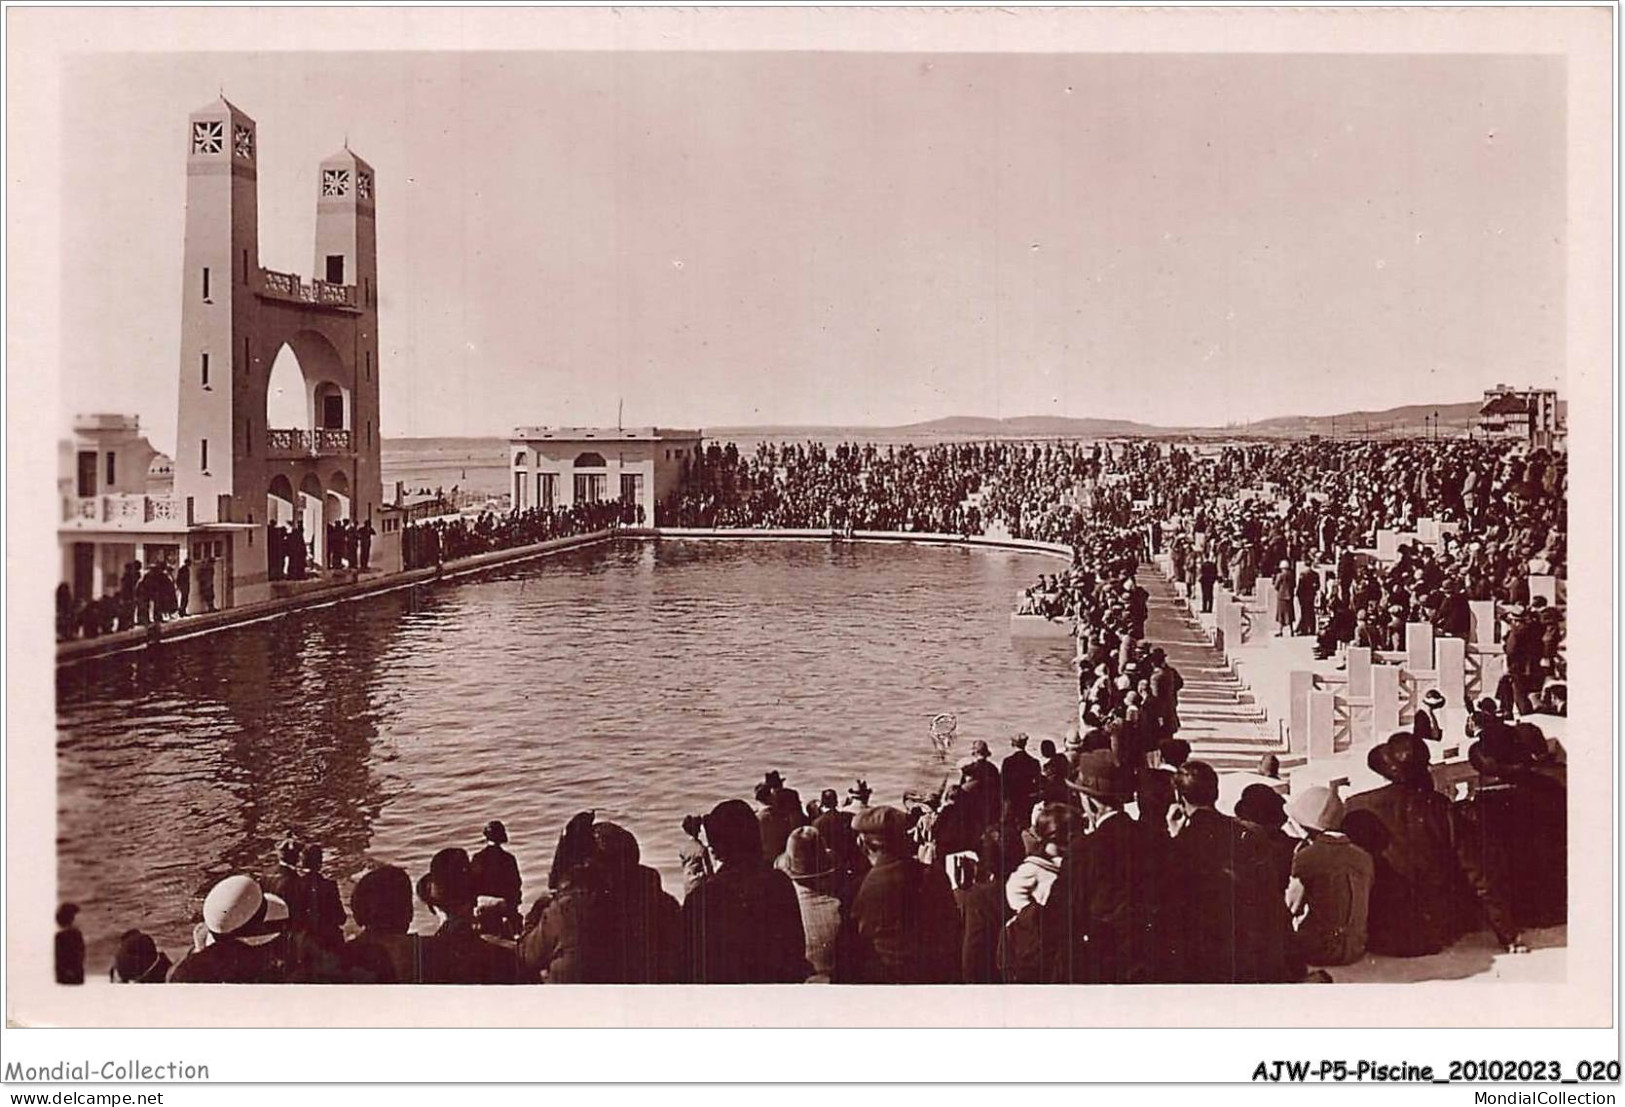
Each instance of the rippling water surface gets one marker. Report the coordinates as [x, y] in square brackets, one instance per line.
[642, 680]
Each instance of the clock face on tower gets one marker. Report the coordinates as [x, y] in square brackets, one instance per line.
[363, 185]
[335, 182]
[242, 140]
[208, 137]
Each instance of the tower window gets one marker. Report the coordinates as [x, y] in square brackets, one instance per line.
[245, 356]
[369, 432]
[369, 365]
[245, 266]
[205, 282]
[112, 458]
[335, 268]
[205, 370]
[203, 454]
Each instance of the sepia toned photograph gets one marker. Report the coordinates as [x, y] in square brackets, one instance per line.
[1071, 517]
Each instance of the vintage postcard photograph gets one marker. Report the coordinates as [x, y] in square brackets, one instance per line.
[865, 509]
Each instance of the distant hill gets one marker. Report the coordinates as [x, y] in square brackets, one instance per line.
[1409, 419]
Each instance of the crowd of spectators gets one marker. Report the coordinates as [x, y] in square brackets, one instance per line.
[435, 541]
[1106, 861]
[141, 597]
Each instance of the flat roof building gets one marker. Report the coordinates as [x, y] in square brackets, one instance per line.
[559, 467]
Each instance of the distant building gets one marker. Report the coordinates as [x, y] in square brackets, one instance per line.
[556, 467]
[115, 508]
[1528, 415]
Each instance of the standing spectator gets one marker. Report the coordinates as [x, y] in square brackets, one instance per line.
[70, 946]
[324, 910]
[1308, 589]
[1227, 911]
[1329, 895]
[1021, 775]
[496, 876]
[183, 585]
[205, 582]
[810, 867]
[1099, 925]
[905, 922]
[742, 923]
[1283, 599]
[979, 780]
[1209, 575]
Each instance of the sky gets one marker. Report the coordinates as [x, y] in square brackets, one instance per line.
[718, 239]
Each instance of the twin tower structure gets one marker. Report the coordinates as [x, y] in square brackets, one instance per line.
[230, 462]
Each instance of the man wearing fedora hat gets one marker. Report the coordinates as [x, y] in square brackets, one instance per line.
[1419, 895]
[1099, 924]
[741, 923]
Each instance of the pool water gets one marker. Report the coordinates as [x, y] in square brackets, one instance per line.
[643, 680]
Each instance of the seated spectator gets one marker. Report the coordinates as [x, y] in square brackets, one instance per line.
[383, 952]
[1261, 811]
[245, 937]
[139, 960]
[456, 953]
[1329, 894]
[1419, 893]
[1512, 836]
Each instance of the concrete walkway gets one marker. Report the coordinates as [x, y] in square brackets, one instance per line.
[1219, 716]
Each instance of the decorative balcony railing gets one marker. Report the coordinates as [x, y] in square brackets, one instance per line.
[300, 443]
[124, 509]
[291, 286]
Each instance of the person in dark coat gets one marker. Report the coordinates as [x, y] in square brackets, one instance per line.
[183, 586]
[324, 909]
[456, 953]
[985, 911]
[287, 882]
[1512, 837]
[774, 822]
[1419, 892]
[70, 946]
[246, 932]
[139, 960]
[1283, 599]
[742, 923]
[1099, 924]
[1021, 775]
[980, 784]
[1308, 588]
[383, 952]
[1523, 650]
[1261, 811]
[905, 923]
[496, 876]
[1055, 767]
[1426, 725]
[1226, 909]
[205, 582]
[1207, 576]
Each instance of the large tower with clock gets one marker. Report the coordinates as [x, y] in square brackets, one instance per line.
[231, 465]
